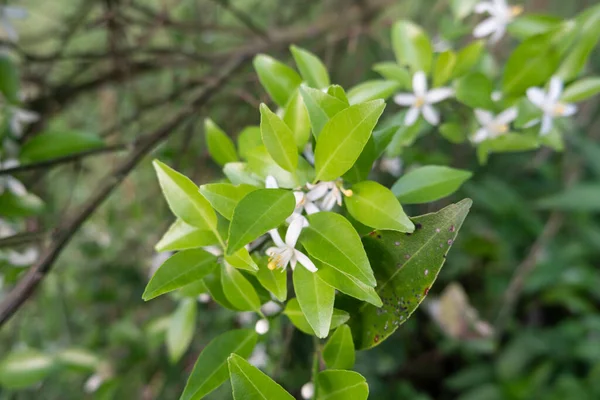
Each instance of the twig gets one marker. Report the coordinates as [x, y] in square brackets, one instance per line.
[23, 238]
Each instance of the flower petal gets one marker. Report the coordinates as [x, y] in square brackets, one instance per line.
[311, 208]
[570, 109]
[28, 257]
[405, 99]
[271, 182]
[546, 124]
[499, 33]
[419, 83]
[536, 96]
[16, 186]
[484, 7]
[507, 116]
[481, 135]
[411, 116]
[305, 261]
[293, 232]
[439, 94]
[555, 89]
[276, 238]
[431, 115]
[483, 117]
[485, 28]
[317, 191]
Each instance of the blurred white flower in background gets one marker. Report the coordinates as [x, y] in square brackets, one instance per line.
[7, 14]
[391, 165]
[501, 14]
[421, 100]
[259, 356]
[492, 125]
[157, 260]
[262, 326]
[270, 308]
[307, 391]
[20, 118]
[549, 103]
[7, 182]
[204, 298]
[13, 257]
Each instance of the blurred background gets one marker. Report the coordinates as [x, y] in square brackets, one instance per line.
[118, 71]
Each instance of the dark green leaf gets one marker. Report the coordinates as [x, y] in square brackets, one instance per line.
[49, 145]
[10, 81]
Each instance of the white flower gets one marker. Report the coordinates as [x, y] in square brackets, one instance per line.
[10, 183]
[309, 154]
[285, 253]
[549, 103]
[259, 356]
[501, 14]
[262, 326]
[270, 308]
[304, 202]
[6, 14]
[493, 126]
[20, 118]
[93, 383]
[328, 193]
[28, 257]
[420, 102]
[307, 391]
[391, 165]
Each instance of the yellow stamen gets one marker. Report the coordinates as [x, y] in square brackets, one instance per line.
[419, 102]
[272, 265]
[347, 192]
[516, 10]
[559, 109]
[500, 128]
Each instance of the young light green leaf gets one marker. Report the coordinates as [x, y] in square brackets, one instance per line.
[278, 79]
[248, 139]
[49, 145]
[331, 239]
[241, 260]
[249, 383]
[278, 139]
[295, 314]
[379, 140]
[262, 165]
[444, 66]
[393, 72]
[257, 213]
[185, 201]
[240, 173]
[376, 206]
[406, 266]
[220, 146]
[181, 236]
[347, 284]
[181, 329]
[581, 90]
[311, 67]
[213, 282]
[338, 353]
[224, 197]
[339, 93]
[412, 46]
[429, 183]
[275, 281]
[373, 90]
[321, 107]
[180, 269]
[296, 117]
[467, 58]
[24, 367]
[315, 298]
[210, 370]
[344, 137]
[338, 384]
[238, 290]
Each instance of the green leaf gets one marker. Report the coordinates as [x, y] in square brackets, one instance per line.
[507, 143]
[467, 58]
[412, 46]
[530, 25]
[347, 283]
[182, 268]
[321, 107]
[249, 383]
[462, 8]
[315, 298]
[185, 201]
[194, 289]
[376, 206]
[330, 238]
[444, 67]
[23, 368]
[338, 92]
[257, 213]
[220, 146]
[78, 359]
[341, 385]
[582, 197]
[210, 370]
[240, 173]
[374, 148]
[14, 206]
[453, 132]
[224, 197]
[429, 183]
[238, 290]
[241, 260]
[344, 137]
[338, 353]
[50, 145]
[532, 63]
[295, 314]
[249, 138]
[475, 90]
[372, 90]
[214, 285]
[181, 329]
[311, 67]
[296, 117]
[393, 72]
[263, 165]
[278, 79]
[405, 267]
[181, 236]
[10, 81]
[275, 281]
[278, 139]
[581, 89]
